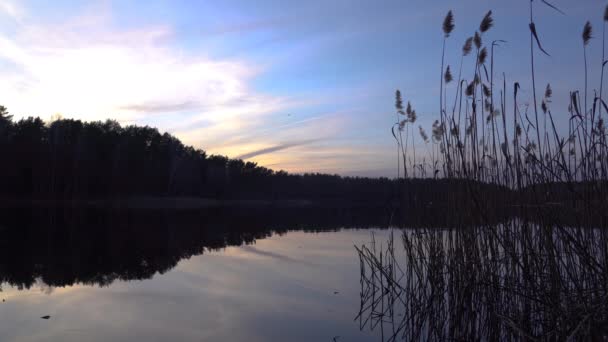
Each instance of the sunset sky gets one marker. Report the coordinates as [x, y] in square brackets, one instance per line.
[304, 86]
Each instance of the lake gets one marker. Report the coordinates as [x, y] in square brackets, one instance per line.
[264, 274]
[129, 280]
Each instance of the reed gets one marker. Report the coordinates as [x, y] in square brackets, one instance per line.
[478, 139]
[519, 280]
[540, 276]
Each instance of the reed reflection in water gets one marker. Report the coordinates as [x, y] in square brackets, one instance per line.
[519, 280]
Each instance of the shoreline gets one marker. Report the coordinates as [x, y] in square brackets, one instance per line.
[183, 203]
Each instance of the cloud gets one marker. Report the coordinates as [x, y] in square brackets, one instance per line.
[274, 149]
[86, 68]
[11, 9]
[155, 107]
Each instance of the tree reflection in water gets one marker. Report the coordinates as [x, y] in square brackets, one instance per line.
[97, 247]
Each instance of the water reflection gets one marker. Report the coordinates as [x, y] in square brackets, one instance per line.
[259, 275]
[97, 247]
[519, 280]
[289, 285]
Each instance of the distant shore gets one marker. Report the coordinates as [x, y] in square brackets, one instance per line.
[183, 203]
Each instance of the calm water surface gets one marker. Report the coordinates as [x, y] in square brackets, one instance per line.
[295, 275]
[294, 286]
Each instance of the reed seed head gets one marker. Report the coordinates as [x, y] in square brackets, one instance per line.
[455, 131]
[587, 33]
[483, 54]
[470, 89]
[402, 125]
[548, 92]
[398, 102]
[486, 23]
[543, 106]
[467, 47]
[606, 13]
[412, 116]
[448, 75]
[437, 131]
[423, 134]
[448, 24]
[486, 91]
[477, 40]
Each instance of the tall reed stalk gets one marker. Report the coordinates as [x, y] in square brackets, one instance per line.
[477, 140]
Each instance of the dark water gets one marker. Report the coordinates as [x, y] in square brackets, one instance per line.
[299, 275]
[211, 276]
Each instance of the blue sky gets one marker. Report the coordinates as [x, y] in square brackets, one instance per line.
[301, 86]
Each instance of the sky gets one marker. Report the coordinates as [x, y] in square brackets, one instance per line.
[302, 86]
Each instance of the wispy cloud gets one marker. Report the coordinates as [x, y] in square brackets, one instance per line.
[275, 149]
[156, 107]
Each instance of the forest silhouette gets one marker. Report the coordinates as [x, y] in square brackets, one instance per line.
[71, 160]
[67, 159]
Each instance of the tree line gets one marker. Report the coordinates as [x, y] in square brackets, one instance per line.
[72, 159]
